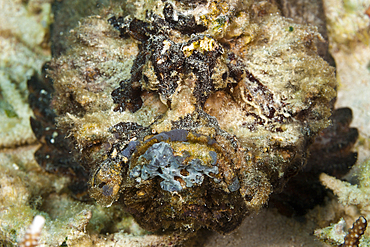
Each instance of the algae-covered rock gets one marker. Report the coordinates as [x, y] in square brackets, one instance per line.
[24, 33]
[348, 23]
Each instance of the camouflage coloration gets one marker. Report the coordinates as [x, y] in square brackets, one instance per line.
[191, 115]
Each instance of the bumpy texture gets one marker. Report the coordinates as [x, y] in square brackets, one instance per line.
[330, 153]
[191, 114]
[167, 166]
[352, 239]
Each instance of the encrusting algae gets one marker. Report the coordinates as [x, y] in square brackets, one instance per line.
[186, 114]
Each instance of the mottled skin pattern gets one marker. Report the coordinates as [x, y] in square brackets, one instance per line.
[354, 235]
[238, 124]
[331, 153]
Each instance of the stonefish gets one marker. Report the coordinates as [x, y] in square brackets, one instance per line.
[187, 113]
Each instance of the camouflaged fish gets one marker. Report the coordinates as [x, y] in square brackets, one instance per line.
[187, 113]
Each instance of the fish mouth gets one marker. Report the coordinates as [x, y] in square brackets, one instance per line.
[179, 159]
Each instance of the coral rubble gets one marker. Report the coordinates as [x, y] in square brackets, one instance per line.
[348, 26]
[347, 23]
[33, 233]
[354, 198]
[200, 109]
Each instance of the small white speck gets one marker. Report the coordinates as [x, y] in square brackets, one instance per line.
[175, 16]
